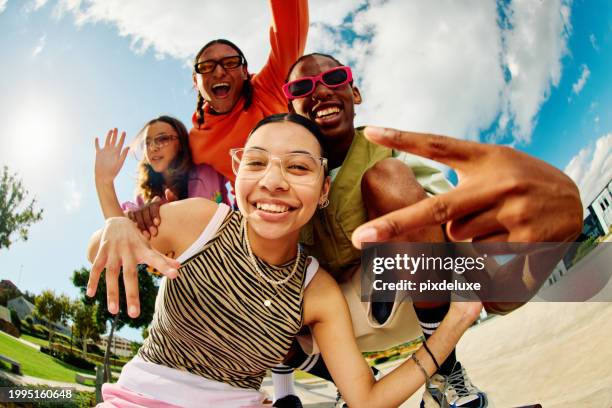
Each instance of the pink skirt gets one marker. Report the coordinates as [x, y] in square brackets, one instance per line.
[116, 396]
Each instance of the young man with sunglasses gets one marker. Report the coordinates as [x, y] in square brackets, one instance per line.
[369, 182]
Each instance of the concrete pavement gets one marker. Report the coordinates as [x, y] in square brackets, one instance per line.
[553, 353]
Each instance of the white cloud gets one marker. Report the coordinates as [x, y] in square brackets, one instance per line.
[430, 66]
[579, 84]
[439, 66]
[3, 5]
[591, 168]
[333, 12]
[179, 31]
[593, 41]
[443, 66]
[534, 42]
[40, 46]
[34, 5]
[72, 196]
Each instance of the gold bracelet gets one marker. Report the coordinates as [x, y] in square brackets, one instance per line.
[418, 363]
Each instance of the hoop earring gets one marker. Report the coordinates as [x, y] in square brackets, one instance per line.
[324, 204]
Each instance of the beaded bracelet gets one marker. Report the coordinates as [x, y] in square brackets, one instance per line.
[418, 363]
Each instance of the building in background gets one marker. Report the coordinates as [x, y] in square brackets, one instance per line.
[601, 208]
[22, 306]
[597, 222]
[591, 227]
[119, 346]
[25, 308]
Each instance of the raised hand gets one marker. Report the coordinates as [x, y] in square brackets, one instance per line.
[502, 195]
[110, 157]
[122, 246]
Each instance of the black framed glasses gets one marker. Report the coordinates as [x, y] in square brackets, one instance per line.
[208, 66]
[297, 168]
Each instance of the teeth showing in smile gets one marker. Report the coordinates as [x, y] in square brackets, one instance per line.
[220, 84]
[275, 208]
[327, 111]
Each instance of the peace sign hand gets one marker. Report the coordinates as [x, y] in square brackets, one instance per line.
[502, 195]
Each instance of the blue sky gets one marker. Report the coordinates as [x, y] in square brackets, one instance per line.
[72, 70]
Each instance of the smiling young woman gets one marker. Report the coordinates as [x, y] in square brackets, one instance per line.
[165, 168]
[245, 289]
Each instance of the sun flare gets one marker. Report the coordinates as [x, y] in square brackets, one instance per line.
[33, 141]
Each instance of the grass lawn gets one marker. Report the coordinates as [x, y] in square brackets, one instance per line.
[35, 363]
[35, 340]
[302, 375]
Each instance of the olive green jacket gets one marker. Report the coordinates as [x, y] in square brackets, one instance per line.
[328, 235]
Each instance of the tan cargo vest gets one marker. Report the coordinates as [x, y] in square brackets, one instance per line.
[328, 235]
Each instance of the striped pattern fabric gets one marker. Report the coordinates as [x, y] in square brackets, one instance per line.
[211, 320]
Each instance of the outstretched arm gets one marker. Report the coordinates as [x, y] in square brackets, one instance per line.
[119, 244]
[287, 39]
[325, 310]
[109, 160]
[503, 194]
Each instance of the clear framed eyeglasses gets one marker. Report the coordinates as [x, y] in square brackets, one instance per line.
[297, 168]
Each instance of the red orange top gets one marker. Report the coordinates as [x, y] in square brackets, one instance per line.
[210, 143]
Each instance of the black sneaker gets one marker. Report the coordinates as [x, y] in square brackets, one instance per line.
[288, 401]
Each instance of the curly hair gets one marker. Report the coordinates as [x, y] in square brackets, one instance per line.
[151, 183]
[247, 87]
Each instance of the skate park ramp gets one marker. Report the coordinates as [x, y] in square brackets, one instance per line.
[556, 354]
[552, 353]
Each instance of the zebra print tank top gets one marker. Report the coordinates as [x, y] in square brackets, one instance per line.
[211, 320]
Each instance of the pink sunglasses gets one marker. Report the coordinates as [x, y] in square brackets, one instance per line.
[304, 86]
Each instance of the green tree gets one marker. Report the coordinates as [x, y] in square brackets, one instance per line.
[16, 320]
[584, 248]
[86, 324]
[148, 291]
[8, 292]
[145, 332]
[135, 346]
[29, 296]
[16, 214]
[30, 322]
[52, 309]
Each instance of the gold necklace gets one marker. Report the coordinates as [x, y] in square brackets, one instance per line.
[268, 302]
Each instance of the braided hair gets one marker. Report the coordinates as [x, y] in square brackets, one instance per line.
[247, 87]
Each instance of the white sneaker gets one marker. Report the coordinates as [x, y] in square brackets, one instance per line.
[453, 391]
